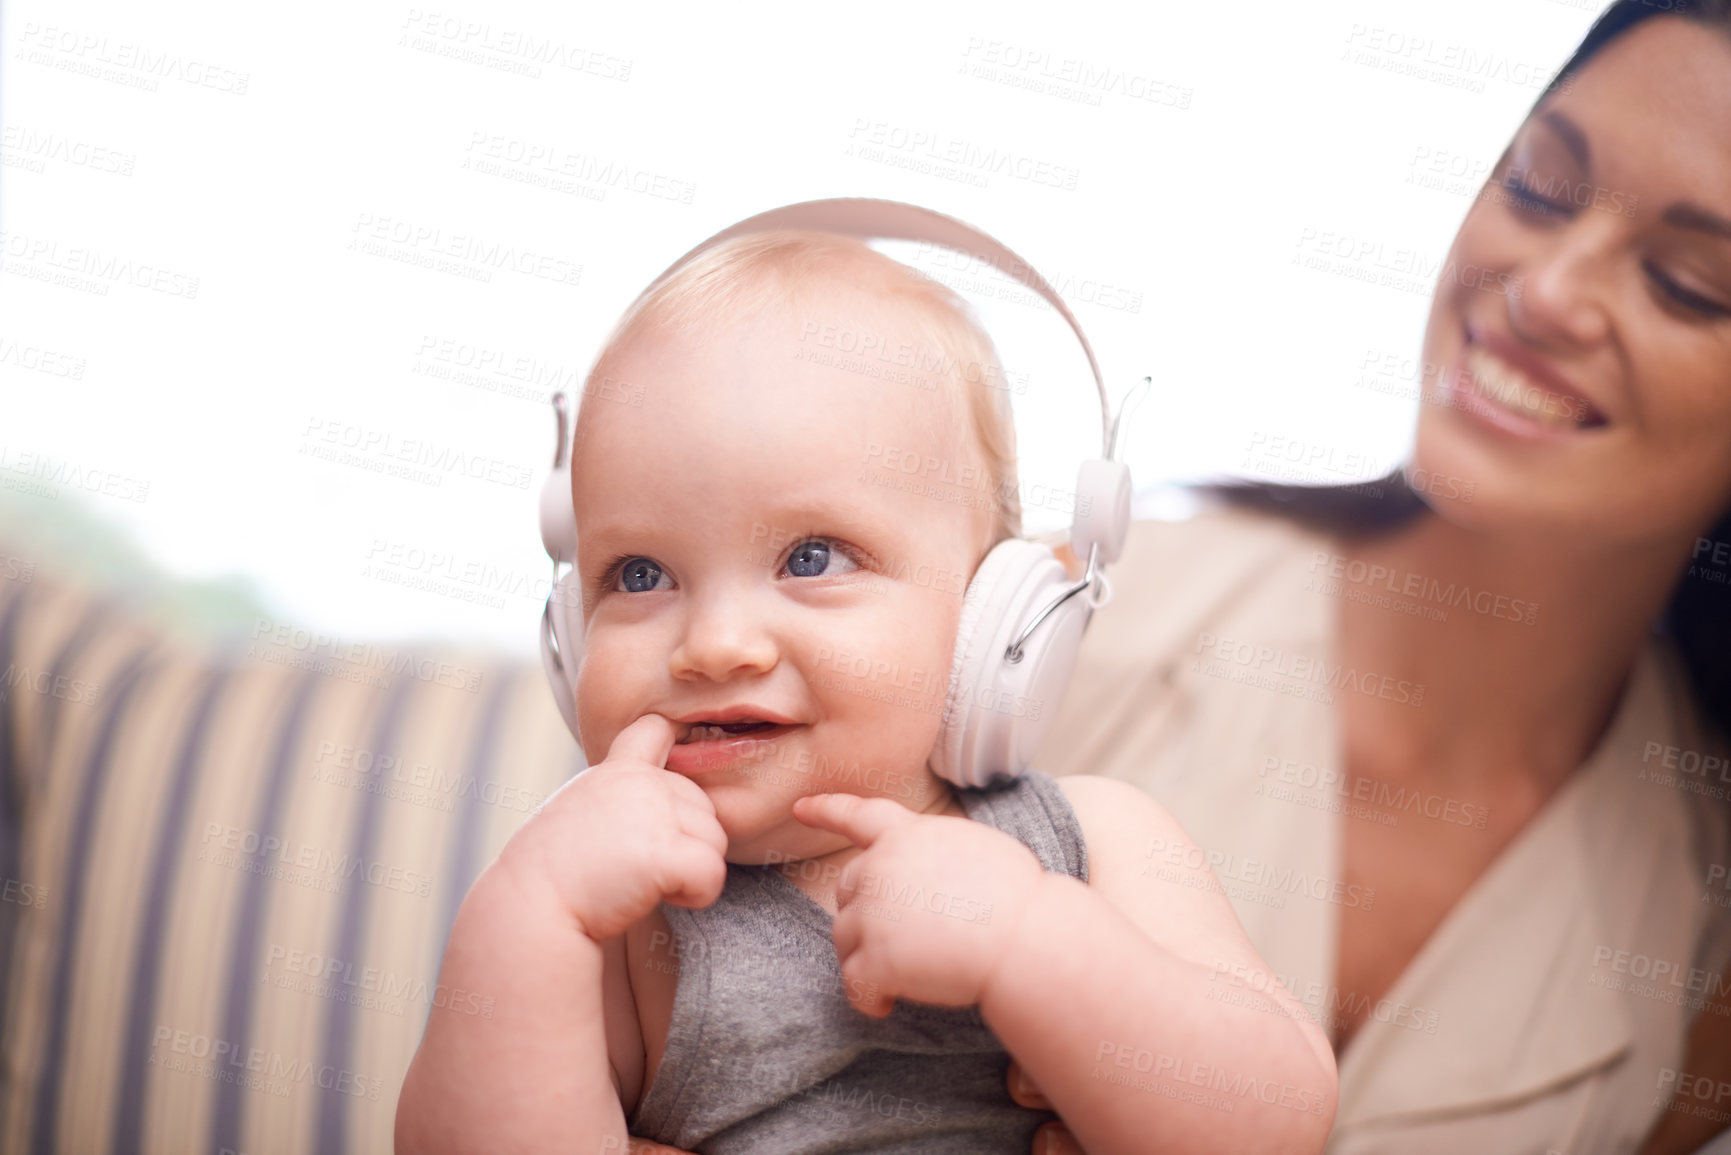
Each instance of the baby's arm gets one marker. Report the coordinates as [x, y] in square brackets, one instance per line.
[536, 1075]
[1139, 1053]
[540, 933]
[1100, 990]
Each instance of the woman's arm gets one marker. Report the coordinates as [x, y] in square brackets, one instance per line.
[1141, 1052]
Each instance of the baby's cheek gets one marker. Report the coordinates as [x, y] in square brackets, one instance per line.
[606, 689]
[934, 617]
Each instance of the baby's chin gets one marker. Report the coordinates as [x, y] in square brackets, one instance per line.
[747, 813]
[754, 806]
[761, 828]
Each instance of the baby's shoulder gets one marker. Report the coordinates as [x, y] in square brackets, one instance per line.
[1108, 807]
[1142, 862]
[1123, 827]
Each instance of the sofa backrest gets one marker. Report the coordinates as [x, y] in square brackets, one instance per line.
[226, 878]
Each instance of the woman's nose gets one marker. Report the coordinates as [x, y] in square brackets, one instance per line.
[1562, 299]
[723, 638]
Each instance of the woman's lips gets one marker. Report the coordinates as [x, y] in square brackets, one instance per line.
[1506, 398]
[708, 748]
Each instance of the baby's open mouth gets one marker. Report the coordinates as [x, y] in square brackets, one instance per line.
[711, 731]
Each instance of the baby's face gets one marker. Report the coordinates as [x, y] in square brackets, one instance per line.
[745, 563]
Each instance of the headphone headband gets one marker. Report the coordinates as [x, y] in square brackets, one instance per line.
[869, 219]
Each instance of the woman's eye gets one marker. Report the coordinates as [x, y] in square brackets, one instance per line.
[640, 575]
[1694, 302]
[814, 557]
[1526, 200]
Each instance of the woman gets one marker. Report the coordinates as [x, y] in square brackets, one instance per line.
[1454, 779]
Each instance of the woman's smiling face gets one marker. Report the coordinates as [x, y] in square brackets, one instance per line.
[1582, 324]
[748, 561]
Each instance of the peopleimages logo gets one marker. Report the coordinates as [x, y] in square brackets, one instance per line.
[231, 846]
[385, 447]
[392, 776]
[874, 139]
[1692, 771]
[1375, 793]
[1067, 77]
[1421, 588]
[209, 1057]
[1655, 974]
[464, 254]
[1160, 1068]
[356, 661]
[42, 467]
[1257, 872]
[49, 684]
[135, 65]
[1267, 667]
[25, 253]
[375, 988]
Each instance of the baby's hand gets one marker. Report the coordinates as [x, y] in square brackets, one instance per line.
[929, 908]
[622, 836]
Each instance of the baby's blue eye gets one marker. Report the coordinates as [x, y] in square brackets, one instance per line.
[640, 575]
[813, 558]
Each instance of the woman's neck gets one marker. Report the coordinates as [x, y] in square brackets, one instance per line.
[1524, 669]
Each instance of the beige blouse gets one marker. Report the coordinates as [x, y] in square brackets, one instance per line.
[1549, 1011]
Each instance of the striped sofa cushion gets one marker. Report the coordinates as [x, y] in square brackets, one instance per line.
[226, 878]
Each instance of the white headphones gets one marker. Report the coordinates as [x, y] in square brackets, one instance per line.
[1022, 619]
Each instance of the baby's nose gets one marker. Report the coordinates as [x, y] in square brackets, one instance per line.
[723, 638]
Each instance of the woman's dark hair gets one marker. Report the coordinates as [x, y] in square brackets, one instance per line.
[1698, 616]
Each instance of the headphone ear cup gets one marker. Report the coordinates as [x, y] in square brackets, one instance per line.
[562, 646]
[995, 710]
[966, 661]
[558, 518]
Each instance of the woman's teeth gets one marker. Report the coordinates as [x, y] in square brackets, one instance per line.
[1499, 382]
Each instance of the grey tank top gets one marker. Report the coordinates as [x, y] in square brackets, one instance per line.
[765, 1055]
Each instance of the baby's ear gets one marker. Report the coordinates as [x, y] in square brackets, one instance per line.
[1072, 564]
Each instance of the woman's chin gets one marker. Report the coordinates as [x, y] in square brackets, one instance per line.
[1490, 464]
[1499, 489]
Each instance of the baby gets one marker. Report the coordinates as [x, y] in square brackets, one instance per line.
[761, 923]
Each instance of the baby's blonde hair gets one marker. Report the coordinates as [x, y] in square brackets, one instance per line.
[742, 276]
